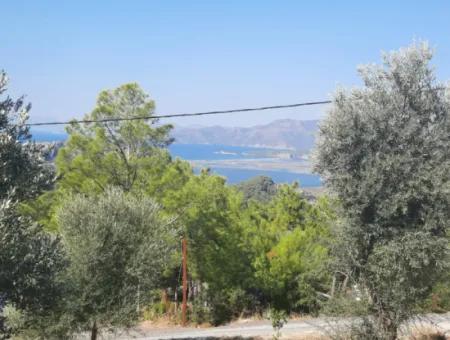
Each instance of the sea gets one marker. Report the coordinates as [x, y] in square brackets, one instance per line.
[193, 152]
[206, 152]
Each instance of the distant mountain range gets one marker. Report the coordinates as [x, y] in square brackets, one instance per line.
[298, 135]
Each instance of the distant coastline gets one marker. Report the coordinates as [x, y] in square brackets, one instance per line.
[236, 163]
[239, 163]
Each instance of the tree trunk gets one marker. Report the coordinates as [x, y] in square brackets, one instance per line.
[176, 299]
[165, 300]
[344, 284]
[389, 329]
[94, 331]
[387, 324]
[138, 304]
[333, 285]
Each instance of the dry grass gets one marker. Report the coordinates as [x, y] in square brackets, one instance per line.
[305, 337]
[427, 333]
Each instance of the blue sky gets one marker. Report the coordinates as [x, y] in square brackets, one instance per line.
[206, 55]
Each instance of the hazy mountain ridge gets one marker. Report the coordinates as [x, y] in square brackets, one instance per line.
[285, 133]
[297, 135]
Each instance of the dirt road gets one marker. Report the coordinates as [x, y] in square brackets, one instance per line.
[294, 329]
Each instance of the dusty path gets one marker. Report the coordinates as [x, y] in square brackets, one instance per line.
[245, 330]
[294, 329]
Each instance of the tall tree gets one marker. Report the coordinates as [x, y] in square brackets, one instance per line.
[124, 153]
[288, 241]
[29, 258]
[384, 151]
[23, 170]
[208, 213]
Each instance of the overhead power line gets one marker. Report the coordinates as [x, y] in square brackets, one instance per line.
[105, 120]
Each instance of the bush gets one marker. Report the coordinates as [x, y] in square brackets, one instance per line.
[278, 319]
[439, 300]
[218, 307]
[13, 320]
[201, 312]
[345, 305]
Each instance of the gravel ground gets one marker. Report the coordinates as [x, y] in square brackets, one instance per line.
[311, 329]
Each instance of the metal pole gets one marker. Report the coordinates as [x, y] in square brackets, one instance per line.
[185, 286]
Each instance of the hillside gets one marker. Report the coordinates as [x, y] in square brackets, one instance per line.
[285, 133]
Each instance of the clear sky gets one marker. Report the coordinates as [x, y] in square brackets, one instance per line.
[206, 55]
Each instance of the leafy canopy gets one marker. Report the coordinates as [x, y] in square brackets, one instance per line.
[260, 188]
[127, 154]
[287, 239]
[118, 246]
[30, 259]
[23, 170]
[384, 152]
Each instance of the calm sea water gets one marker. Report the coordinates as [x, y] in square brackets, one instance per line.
[217, 152]
[40, 136]
[238, 175]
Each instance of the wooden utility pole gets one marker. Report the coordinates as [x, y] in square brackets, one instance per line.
[185, 283]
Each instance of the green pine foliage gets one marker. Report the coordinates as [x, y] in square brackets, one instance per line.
[126, 154]
[288, 240]
[260, 188]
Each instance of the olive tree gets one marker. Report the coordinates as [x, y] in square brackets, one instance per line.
[30, 261]
[117, 246]
[30, 258]
[23, 170]
[384, 152]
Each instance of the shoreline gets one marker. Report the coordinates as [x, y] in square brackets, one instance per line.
[270, 164]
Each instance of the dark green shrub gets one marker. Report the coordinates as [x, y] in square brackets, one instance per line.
[345, 305]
